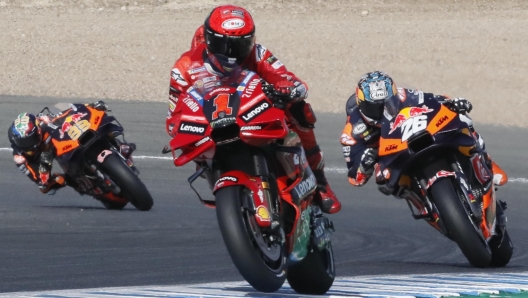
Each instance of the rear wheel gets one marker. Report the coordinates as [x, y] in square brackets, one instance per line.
[132, 188]
[315, 274]
[459, 223]
[260, 261]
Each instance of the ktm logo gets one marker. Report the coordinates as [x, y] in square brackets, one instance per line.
[391, 147]
[66, 147]
[441, 121]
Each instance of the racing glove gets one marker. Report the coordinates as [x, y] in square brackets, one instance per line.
[366, 167]
[100, 105]
[459, 105]
[292, 90]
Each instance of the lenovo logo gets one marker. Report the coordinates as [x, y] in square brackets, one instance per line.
[255, 111]
[192, 128]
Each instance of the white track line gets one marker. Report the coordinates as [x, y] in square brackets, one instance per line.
[338, 170]
[380, 286]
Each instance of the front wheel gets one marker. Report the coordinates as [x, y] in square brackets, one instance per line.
[259, 260]
[315, 274]
[132, 188]
[459, 224]
[501, 250]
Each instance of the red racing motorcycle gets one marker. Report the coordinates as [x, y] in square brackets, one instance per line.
[263, 187]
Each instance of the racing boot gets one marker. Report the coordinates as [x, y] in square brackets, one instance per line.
[324, 196]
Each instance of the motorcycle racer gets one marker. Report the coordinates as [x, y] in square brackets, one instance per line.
[365, 109]
[33, 152]
[230, 31]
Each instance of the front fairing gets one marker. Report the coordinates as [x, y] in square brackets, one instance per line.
[236, 109]
[419, 125]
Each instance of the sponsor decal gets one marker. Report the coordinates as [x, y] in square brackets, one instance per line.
[391, 147]
[346, 151]
[277, 64]
[103, 155]
[260, 195]
[271, 59]
[255, 127]
[67, 147]
[250, 88]
[263, 213]
[196, 96]
[256, 110]
[408, 113]
[191, 104]
[306, 186]
[178, 78]
[196, 70]
[193, 118]
[192, 128]
[69, 122]
[441, 121]
[247, 78]
[360, 128]
[200, 142]
[233, 24]
[223, 121]
[440, 174]
[209, 79]
[218, 90]
[227, 178]
[172, 106]
[241, 88]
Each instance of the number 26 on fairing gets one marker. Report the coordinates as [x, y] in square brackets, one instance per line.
[412, 126]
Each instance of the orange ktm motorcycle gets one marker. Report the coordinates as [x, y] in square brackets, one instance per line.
[429, 156]
[91, 149]
[263, 186]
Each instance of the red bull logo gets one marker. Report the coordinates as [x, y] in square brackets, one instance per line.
[408, 113]
[69, 122]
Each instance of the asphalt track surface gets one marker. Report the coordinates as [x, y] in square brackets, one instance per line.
[68, 241]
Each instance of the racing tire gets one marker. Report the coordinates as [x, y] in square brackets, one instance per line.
[501, 251]
[459, 224]
[132, 188]
[236, 227]
[315, 274]
[111, 205]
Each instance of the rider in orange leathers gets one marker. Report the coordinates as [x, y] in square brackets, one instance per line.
[230, 31]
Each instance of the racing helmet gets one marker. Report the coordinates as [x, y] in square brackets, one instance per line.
[230, 31]
[25, 132]
[373, 90]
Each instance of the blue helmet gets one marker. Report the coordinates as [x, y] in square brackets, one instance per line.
[372, 91]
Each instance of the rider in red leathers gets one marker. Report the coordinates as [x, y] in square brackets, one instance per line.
[230, 31]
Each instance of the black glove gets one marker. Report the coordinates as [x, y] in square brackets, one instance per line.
[459, 105]
[368, 160]
[100, 106]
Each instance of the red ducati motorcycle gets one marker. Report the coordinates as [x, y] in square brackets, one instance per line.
[261, 181]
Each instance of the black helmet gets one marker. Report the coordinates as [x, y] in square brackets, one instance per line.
[25, 132]
[372, 92]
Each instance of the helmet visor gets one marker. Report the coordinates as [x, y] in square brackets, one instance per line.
[28, 142]
[238, 47]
